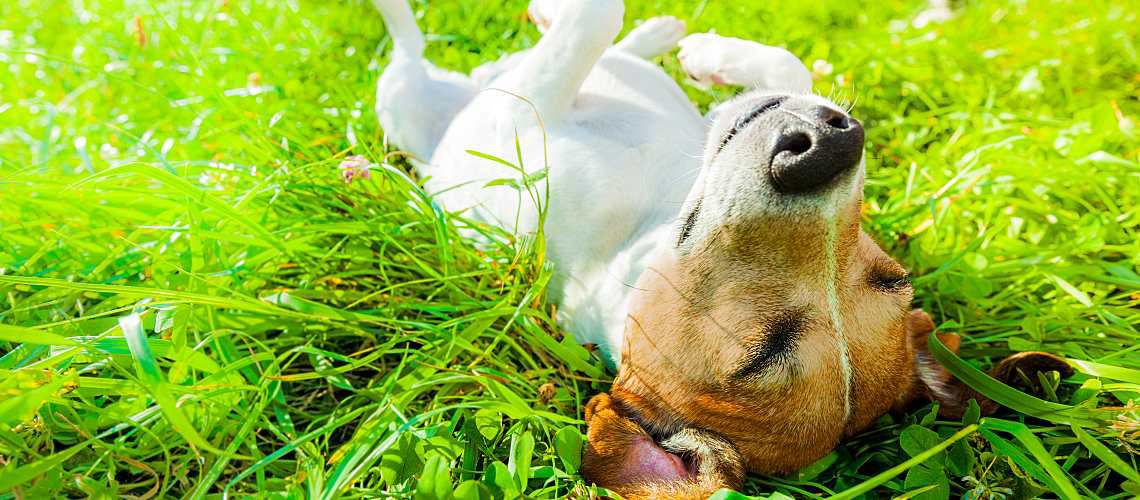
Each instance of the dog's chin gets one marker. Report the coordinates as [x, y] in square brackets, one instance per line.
[753, 203]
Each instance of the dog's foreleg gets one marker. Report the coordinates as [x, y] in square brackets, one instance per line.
[650, 39]
[550, 74]
[713, 59]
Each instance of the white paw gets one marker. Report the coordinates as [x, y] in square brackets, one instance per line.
[713, 59]
[655, 36]
[542, 12]
[706, 58]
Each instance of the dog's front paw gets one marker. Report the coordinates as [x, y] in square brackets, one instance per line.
[709, 59]
[655, 36]
[706, 58]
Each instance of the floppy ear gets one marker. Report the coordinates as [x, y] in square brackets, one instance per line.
[953, 396]
[623, 457]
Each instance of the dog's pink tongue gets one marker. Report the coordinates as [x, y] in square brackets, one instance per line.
[648, 462]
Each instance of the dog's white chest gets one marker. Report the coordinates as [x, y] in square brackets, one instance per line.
[594, 302]
[621, 162]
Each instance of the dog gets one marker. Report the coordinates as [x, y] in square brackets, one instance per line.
[717, 261]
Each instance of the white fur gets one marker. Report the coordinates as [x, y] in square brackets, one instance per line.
[624, 143]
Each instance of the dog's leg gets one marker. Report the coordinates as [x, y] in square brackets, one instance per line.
[415, 100]
[650, 39]
[550, 74]
[653, 37]
[715, 59]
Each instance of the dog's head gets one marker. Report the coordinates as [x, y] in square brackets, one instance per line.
[771, 326]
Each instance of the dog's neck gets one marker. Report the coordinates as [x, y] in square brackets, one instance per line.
[594, 298]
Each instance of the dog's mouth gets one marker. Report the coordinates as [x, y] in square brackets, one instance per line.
[648, 460]
[685, 452]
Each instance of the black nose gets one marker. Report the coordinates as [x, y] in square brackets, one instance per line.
[814, 145]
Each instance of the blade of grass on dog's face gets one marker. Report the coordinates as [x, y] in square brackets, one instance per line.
[981, 186]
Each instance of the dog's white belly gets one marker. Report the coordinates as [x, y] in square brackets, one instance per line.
[621, 164]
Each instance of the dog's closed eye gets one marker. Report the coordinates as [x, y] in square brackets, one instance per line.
[890, 278]
[749, 118]
[690, 221]
[775, 347]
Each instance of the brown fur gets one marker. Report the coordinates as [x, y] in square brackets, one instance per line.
[688, 328]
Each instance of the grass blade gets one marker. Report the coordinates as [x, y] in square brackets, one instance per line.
[1099, 450]
[21, 335]
[1008, 396]
[1060, 480]
[887, 475]
[155, 384]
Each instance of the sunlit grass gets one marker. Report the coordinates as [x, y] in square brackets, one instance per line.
[195, 303]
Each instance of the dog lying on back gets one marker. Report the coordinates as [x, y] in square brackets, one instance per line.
[717, 261]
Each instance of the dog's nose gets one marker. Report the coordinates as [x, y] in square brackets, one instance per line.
[815, 145]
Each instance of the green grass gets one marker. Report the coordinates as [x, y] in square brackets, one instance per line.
[194, 304]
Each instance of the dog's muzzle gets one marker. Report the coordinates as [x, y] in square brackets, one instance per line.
[807, 145]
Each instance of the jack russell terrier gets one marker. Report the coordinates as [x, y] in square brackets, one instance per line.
[717, 261]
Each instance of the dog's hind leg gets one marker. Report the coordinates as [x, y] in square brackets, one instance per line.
[653, 37]
[550, 75]
[415, 100]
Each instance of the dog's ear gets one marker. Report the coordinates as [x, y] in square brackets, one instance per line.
[936, 383]
[622, 456]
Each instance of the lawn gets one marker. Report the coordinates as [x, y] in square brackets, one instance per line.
[194, 303]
